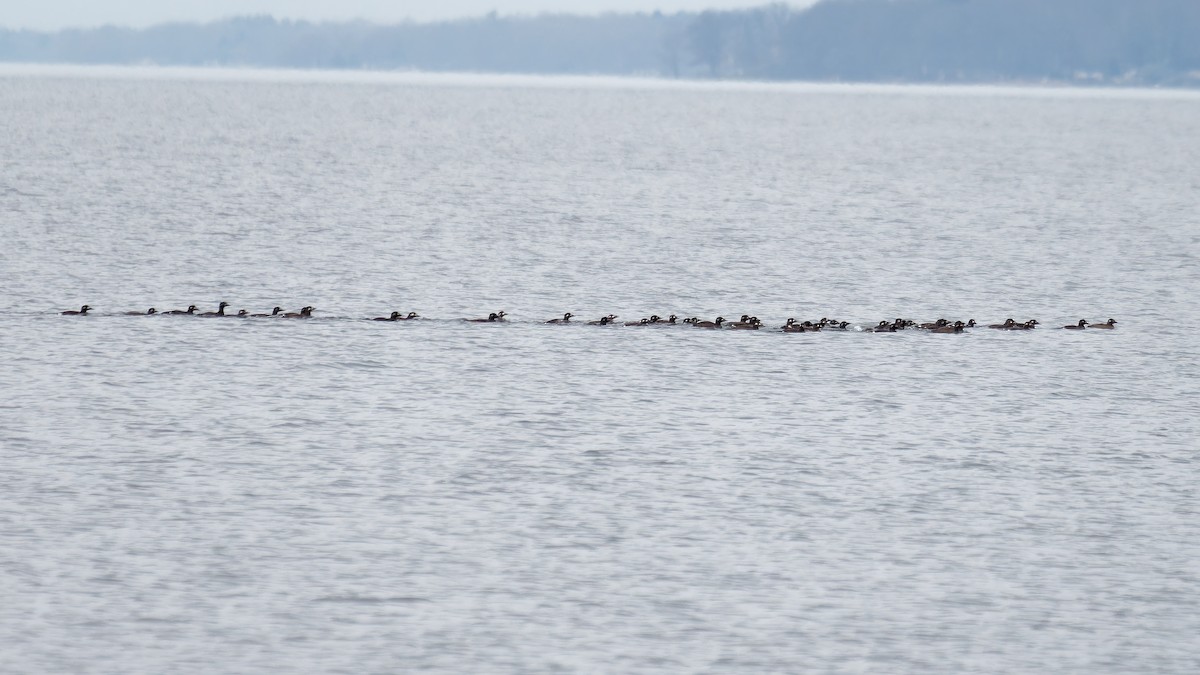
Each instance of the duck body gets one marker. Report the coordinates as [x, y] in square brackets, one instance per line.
[190, 310]
[408, 317]
[220, 310]
[603, 321]
[274, 312]
[394, 316]
[145, 313]
[1007, 325]
[710, 324]
[82, 311]
[566, 318]
[1108, 325]
[1078, 326]
[304, 313]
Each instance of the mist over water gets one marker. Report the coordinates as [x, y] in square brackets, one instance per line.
[334, 494]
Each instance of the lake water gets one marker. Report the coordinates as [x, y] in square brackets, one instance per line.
[336, 495]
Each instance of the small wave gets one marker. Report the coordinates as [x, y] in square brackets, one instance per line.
[371, 600]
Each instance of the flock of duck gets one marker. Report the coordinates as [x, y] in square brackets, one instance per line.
[746, 322]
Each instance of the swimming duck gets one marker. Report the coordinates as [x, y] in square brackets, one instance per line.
[884, 327]
[643, 322]
[305, 313]
[970, 323]
[145, 313]
[956, 328]
[710, 324]
[82, 311]
[604, 320]
[1079, 326]
[1007, 325]
[394, 317]
[566, 318]
[792, 327]
[936, 324]
[838, 325]
[220, 310]
[190, 310]
[1109, 325]
[242, 314]
[490, 318]
[408, 317]
[274, 312]
[750, 323]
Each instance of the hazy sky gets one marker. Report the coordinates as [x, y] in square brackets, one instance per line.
[54, 14]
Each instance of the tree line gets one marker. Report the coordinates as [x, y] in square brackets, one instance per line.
[1085, 41]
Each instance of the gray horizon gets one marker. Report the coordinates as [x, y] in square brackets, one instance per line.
[57, 15]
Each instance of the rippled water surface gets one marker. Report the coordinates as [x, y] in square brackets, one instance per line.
[182, 494]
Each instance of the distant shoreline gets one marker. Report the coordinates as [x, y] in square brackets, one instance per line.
[1077, 43]
[150, 72]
